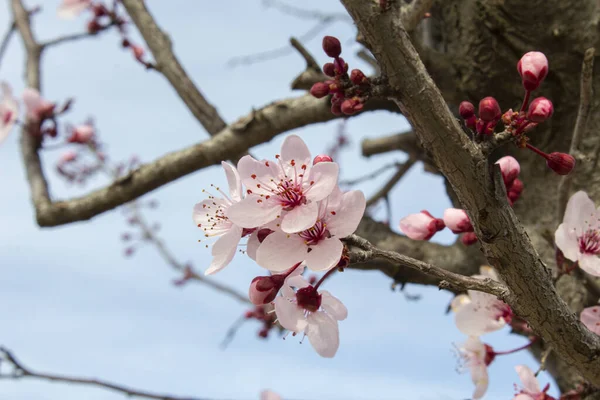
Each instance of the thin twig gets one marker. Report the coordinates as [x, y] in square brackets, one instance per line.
[311, 63]
[402, 170]
[72, 37]
[305, 14]
[585, 99]
[6, 39]
[543, 359]
[370, 175]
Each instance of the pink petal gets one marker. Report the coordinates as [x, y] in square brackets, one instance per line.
[325, 176]
[69, 9]
[457, 220]
[234, 181]
[590, 263]
[479, 376]
[32, 100]
[580, 211]
[324, 255]
[297, 281]
[257, 175]
[333, 306]
[253, 211]
[473, 319]
[289, 315]
[300, 218]
[252, 245]
[416, 226]
[205, 216]
[530, 382]
[590, 317]
[566, 241]
[323, 334]
[347, 215]
[279, 251]
[269, 395]
[295, 151]
[224, 250]
[510, 169]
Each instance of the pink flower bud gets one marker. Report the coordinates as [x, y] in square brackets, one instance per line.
[358, 77]
[332, 46]
[421, 226]
[82, 134]
[319, 90]
[351, 106]
[561, 163]
[93, 27]
[138, 52]
[510, 169]
[308, 298]
[540, 110]
[67, 157]
[340, 66]
[466, 110]
[533, 68]
[264, 289]
[468, 238]
[329, 69]
[489, 109]
[322, 158]
[457, 220]
[263, 333]
[517, 187]
[99, 10]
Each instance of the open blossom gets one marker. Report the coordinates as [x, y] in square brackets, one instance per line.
[316, 313]
[478, 313]
[457, 220]
[82, 133]
[531, 387]
[37, 107]
[319, 245]
[69, 9]
[289, 188]
[590, 317]
[477, 356]
[9, 111]
[210, 216]
[578, 237]
[421, 226]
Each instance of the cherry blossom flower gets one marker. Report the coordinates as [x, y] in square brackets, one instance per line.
[478, 313]
[82, 133]
[37, 107]
[289, 188]
[269, 395]
[590, 317]
[457, 220]
[477, 356]
[9, 111]
[578, 237]
[70, 9]
[319, 245]
[531, 387]
[210, 216]
[421, 226]
[316, 313]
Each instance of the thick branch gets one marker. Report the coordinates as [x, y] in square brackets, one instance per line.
[169, 66]
[405, 141]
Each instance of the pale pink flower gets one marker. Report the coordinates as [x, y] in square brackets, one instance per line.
[269, 395]
[477, 356]
[533, 68]
[510, 169]
[531, 387]
[478, 313]
[82, 134]
[578, 237]
[421, 226]
[590, 317]
[312, 312]
[457, 220]
[210, 216]
[320, 245]
[70, 9]
[288, 188]
[37, 107]
[9, 111]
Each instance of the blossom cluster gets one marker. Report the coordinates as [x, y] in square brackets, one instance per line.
[294, 215]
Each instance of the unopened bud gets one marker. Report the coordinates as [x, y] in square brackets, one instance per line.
[264, 289]
[457, 220]
[561, 163]
[358, 77]
[466, 110]
[263, 333]
[489, 109]
[336, 109]
[319, 90]
[138, 52]
[351, 106]
[517, 186]
[322, 158]
[332, 46]
[340, 66]
[510, 169]
[540, 110]
[99, 10]
[93, 27]
[125, 43]
[329, 69]
[533, 68]
[468, 238]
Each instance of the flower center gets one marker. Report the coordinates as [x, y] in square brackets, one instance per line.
[290, 195]
[589, 242]
[315, 234]
[308, 298]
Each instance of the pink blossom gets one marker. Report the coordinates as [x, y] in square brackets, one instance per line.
[211, 216]
[540, 110]
[82, 134]
[590, 317]
[531, 387]
[269, 395]
[37, 107]
[263, 289]
[578, 237]
[70, 9]
[477, 356]
[289, 188]
[533, 68]
[9, 111]
[316, 313]
[477, 313]
[457, 220]
[320, 245]
[510, 169]
[421, 226]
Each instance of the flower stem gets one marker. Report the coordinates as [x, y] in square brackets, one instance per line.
[502, 353]
[526, 100]
[331, 271]
[536, 150]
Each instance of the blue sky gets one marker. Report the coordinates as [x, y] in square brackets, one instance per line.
[72, 304]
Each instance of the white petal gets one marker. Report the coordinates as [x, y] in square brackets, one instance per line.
[580, 212]
[257, 175]
[523, 396]
[224, 250]
[530, 382]
[333, 306]
[208, 216]
[324, 255]
[479, 376]
[69, 9]
[280, 251]
[253, 211]
[474, 320]
[289, 315]
[590, 317]
[295, 151]
[566, 241]
[347, 215]
[590, 263]
[297, 281]
[323, 334]
[324, 176]
[252, 245]
[234, 181]
[300, 218]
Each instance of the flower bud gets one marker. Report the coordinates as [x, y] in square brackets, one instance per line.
[489, 109]
[561, 163]
[336, 109]
[329, 69]
[517, 187]
[264, 289]
[340, 66]
[93, 27]
[322, 158]
[138, 52]
[332, 46]
[421, 226]
[510, 169]
[263, 333]
[99, 10]
[308, 298]
[540, 110]
[533, 68]
[466, 110]
[125, 43]
[468, 238]
[358, 77]
[81, 134]
[457, 220]
[319, 90]
[351, 106]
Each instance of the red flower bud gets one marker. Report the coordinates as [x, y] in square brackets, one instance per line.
[263, 333]
[308, 298]
[540, 110]
[351, 106]
[561, 163]
[336, 109]
[99, 10]
[358, 77]
[125, 43]
[329, 69]
[322, 158]
[264, 289]
[468, 238]
[489, 109]
[510, 169]
[340, 66]
[533, 68]
[332, 46]
[466, 110]
[319, 90]
[517, 186]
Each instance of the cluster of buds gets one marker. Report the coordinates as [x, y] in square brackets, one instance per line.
[348, 92]
[266, 316]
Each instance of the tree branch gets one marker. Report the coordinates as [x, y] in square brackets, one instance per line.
[404, 141]
[6, 39]
[412, 14]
